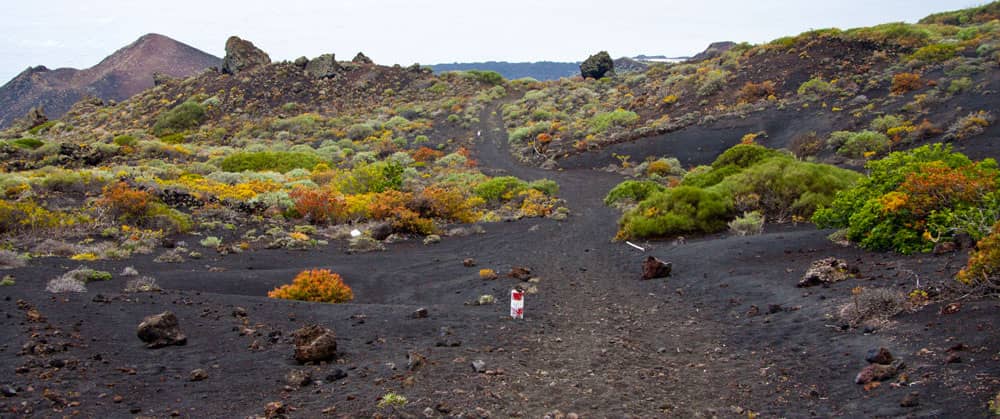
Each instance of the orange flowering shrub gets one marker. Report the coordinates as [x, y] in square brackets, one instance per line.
[905, 82]
[318, 285]
[122, 200]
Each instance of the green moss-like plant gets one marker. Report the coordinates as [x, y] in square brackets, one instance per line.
[187, 115]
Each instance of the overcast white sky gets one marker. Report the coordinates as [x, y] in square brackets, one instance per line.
[79, 33]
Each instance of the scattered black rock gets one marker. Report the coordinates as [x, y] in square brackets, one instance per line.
[910, 400]
[879, 372]
[414, 361]
[314, 343]
[655, 268]
[879, 356]
[479, 366]
[337, 374]
[298, 378]
[161, 330]
[198, 375]
[419, 313]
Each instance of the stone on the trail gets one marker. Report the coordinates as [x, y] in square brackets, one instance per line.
[485, 299]
[945, 247]
[298, 378]
[469, 262]
[655, 268]
[314, 343]
[432, 239]
[879, 372]
[824, 272]
[301, 62]
[8, 391]
[381, 231]
[324, 66]
[953, 358]
[362, 244]
[910, 400]
[275, 410]
[879, 356]
[419, 313]
[239, 312]
[774, 308]
[479, 366]
[199, 375]
[337, 374]
[242, 55]
[161, 330]
[520, 272]
[414, 361]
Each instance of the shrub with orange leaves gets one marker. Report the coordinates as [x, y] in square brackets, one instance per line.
[319, 206]
[936, 186]
[446, 203]
[983, 267]
[317, 285]
[124, 201]
[905, 82]
[752, 92]
[544, 138]
[424, 154]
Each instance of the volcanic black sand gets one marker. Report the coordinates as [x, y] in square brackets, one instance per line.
[596, 340]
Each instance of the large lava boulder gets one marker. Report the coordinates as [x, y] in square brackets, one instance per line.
[314, 343]
[323, 67]
[597, 66]
[242, 55]
[362, 59]
[161, 330]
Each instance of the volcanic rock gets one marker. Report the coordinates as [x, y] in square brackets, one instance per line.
[161, 330]
[361, 58]
[314, 343]
[655, 268]
[879, 356]
[199, 375]
[824, 272]
[242, 55]
[322, 67]
[879, 372]
[479, 366]
[298, 378]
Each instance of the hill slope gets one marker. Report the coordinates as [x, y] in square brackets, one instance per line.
[126, 72]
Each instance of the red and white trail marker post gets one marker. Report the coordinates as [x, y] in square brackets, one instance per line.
[517, 304]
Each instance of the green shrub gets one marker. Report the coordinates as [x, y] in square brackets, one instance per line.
[43, 127]
[27, 143]
[211, 242]
[183, 117]
[546, 186]
[816, 87]
[744, 155]
[125, 140]
[619, 117]
[781, 187]
[278, 161]
[360, 131]
[960, 85]
[373, 177]
[751, 223]
[712, 82]
[680, 210]
[935, 53]
[903, 203]
[499, 188]
[859, 143]
[488, 77]
[884, 123]
[631, 192]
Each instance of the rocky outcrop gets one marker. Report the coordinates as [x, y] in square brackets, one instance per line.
[625, 65]
[323, 67]
[363, 59]
[714, 49]
[242, 55]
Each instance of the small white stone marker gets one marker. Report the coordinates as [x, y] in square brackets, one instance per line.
[355, 233]
[517, 304]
